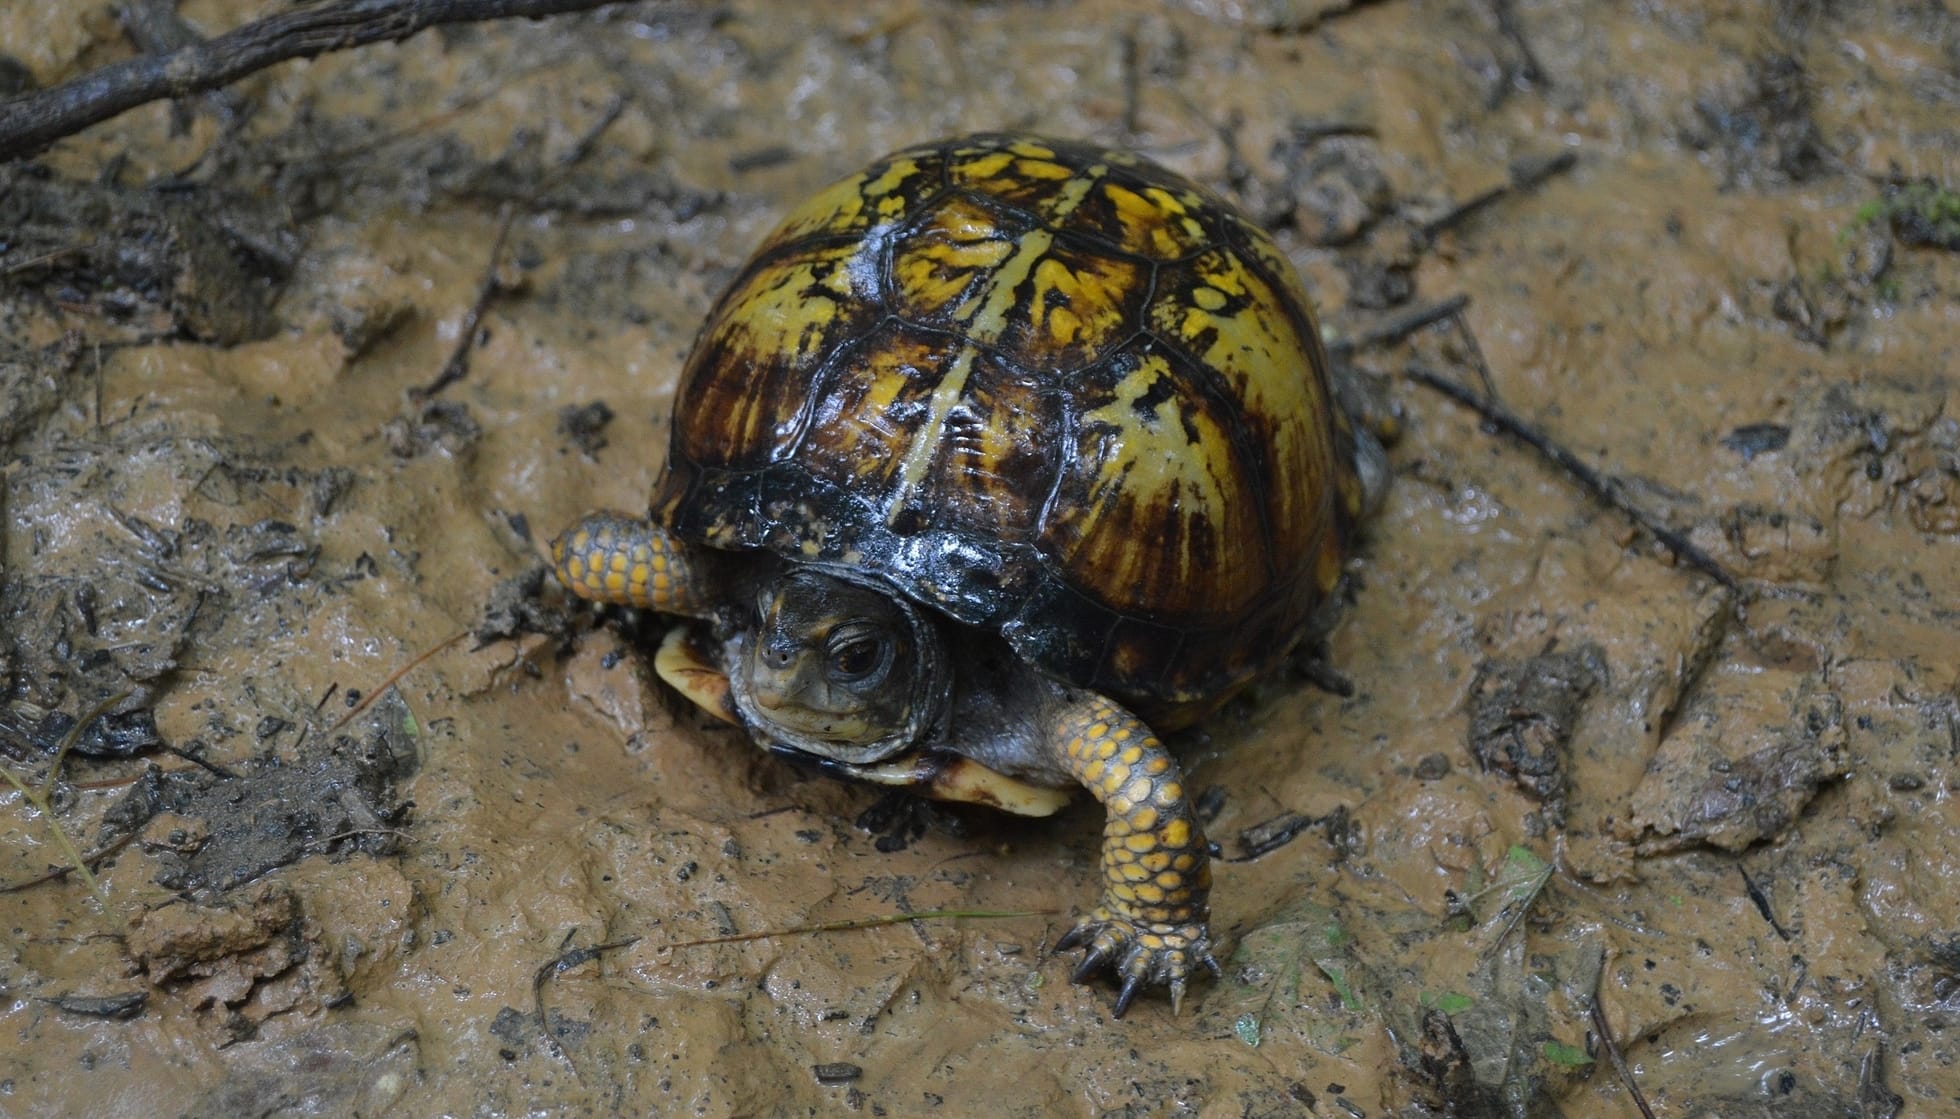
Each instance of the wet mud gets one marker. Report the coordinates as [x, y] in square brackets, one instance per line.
[319, 802]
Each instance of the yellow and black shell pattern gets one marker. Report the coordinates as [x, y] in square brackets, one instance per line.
[1046, 388]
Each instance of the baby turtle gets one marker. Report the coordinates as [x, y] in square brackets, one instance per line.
[998, 458]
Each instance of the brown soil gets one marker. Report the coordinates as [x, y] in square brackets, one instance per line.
[1568, 766]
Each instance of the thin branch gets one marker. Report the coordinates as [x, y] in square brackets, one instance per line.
[1599, 485]
[33, 121]
[1603, 1030]
[393, 679]
[1392, 328]
[458, 365]
[1525, 175]
[567, 959]
[856, 924]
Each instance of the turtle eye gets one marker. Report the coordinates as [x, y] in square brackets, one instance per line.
[856, 654]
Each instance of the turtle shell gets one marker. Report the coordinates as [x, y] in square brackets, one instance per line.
[1049, 389]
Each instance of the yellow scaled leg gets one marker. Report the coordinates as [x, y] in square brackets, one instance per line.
[610, 557]
[1156, 867]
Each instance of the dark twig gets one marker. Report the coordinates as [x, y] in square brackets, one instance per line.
[1761, 900]
[35, 120]
[1600, 486]
[1314, 131]
[1507, 26]
[568, 959]
[458, 364]
[1525, 175]
[56, 874]
[1476, 351]
[1392, 328]
[156, 28]
[1604, 1033]
[393, 679]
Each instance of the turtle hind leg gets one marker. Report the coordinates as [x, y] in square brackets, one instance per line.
[1151, 927]
[610, 557]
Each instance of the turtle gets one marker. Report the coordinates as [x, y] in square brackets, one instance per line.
[998, 460]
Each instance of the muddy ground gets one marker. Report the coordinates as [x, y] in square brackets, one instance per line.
[1571, 768]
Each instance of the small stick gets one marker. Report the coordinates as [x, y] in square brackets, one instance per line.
[458, 365]
[60, 872]
[857, 923]
[1390, 329]
[33, 121]
[566, 961]
[1524, 176]
[393, 679]
[1606, 489]
[1507, 25]
[1605, 1034]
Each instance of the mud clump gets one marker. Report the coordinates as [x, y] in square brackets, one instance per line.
[241, 960]
[161, 264]
[1522, 716]
[336, 799]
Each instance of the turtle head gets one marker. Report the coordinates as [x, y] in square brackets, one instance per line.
[838, 666]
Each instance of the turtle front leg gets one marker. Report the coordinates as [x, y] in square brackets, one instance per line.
[1151, 926]
[610, 557]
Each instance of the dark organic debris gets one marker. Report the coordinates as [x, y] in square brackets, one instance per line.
[584, 426]
[1764, 131]
[129, 1004]
[1445, 1075]
[32, 379]
[1876, 1099]
[27, 731]
[1922, 213]
[15, 77]
[519, 605]
[1751, 440]
[519, 1032]
[836, 1072]
[1522, 714]
[158, 262]
[1761, 901]
[333, 798]
[1270, 835]
[899, 819]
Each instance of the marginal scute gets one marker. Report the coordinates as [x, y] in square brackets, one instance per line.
[754, 367]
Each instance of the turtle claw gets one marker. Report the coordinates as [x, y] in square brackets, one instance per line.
[1091, 963]
[1142, 954]
[1176, 991]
